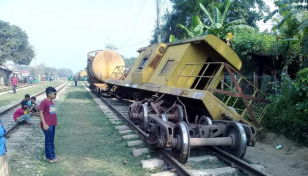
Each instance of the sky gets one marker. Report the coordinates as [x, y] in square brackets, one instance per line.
[64, 31]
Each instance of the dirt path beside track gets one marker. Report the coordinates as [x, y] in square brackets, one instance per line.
[290, 160]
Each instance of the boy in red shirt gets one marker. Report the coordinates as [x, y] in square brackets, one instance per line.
[48, 123]
[21, 114]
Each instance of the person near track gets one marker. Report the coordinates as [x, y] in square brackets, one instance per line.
[14, 82]
[21, 114]
[48, 117]
[4, 171]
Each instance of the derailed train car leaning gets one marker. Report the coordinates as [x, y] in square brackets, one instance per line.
[186, 93]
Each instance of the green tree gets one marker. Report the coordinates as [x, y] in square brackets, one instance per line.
[41, 68]
[291, 10]
[217, 25]
[14, 45]
[184, 10]
[48, 71]
[196, 29]
[65, 72]
[33, 71]
[129, 62]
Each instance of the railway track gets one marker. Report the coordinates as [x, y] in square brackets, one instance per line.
[8, 122]
[231, 165]
[19, 87]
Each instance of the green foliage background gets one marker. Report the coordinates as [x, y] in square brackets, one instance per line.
[288, 112]
[184, 10]
[14, 45]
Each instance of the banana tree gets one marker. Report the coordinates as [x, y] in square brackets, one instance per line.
[217, 25]
[195, 22]
[287, 9]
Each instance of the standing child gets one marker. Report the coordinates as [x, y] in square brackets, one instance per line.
[48, 123]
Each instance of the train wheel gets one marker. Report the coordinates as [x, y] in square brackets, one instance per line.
[205, 121]
[143, 123]
[179, 113]
[238, 135]
[182, 149]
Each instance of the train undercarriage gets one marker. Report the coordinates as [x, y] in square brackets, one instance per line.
[180, 123]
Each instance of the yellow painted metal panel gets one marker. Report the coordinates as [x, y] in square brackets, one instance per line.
[225, 51]
[137, 77]
[173, 53]
[193, 54]
[217, 108]
[142, 74]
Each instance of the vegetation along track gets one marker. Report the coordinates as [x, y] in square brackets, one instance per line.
[8, 122]
[227, 164]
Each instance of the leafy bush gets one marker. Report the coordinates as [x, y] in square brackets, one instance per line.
[245, 43]
[288, 112]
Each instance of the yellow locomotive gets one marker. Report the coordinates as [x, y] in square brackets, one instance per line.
[189, 93]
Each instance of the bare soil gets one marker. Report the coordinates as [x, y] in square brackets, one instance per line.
[290, 160]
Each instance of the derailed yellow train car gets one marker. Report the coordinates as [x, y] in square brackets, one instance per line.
[181, 98]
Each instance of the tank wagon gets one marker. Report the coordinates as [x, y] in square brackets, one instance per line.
[100, 65]
[189, 93]
[82, 74]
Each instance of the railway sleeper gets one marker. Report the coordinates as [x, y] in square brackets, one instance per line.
[180, 137]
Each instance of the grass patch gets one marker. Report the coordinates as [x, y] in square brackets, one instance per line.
[88, 142]
[10, 97]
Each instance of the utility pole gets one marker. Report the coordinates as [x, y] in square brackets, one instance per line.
[158, 31]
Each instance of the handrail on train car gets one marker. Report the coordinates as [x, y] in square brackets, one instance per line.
[253, 105]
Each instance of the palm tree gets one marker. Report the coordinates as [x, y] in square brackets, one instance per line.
[288, 8]
[217, 25]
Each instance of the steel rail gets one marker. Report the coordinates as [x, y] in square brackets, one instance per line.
[242, 165]
[17, 104]
[182, 170]
[10, 88]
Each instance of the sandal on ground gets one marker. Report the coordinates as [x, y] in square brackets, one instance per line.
[56, 160]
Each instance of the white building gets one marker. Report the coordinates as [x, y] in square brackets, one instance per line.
[5, 74]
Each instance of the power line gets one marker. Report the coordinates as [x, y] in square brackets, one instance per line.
[137, 43]
[130, 3]
[131, 18]
[141, 9]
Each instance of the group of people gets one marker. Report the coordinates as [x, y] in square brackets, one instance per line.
[75, 79]
[14, 81]
[46, 110]
[28, 108]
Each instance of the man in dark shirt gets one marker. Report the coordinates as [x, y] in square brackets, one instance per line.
[75, 79]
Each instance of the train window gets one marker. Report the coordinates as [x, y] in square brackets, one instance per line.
[142, 64]
[167, 66]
